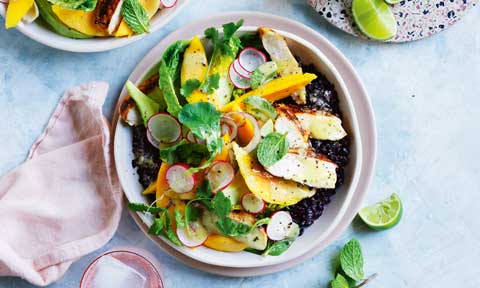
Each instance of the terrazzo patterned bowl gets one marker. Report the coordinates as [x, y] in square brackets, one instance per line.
[320, 231]
[40, 32]
[416, 19]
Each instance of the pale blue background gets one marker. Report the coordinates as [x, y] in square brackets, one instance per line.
[426, 98]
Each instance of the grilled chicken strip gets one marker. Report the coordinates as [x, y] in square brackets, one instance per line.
[287, 122]
[109, 14]
[278, 50]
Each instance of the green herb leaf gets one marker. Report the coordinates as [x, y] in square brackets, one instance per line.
[222, 205]
[351, 260]
[184, 151]
[260, 108]
[278, 247]
[263, 221]
[135, 16]
[189, 86]
[340, 282]
[85, 5]
[204, 121]
[272, 148]
[204, 190]
[140, 207]
[211, 84]
[169, 72]
[230, 42]
[193, 213]
[171, 235]
[179, 219]
[157, 227]
[263, 73]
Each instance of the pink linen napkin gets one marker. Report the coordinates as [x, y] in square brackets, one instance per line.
[65, 201]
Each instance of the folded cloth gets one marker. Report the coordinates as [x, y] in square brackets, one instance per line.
[65, 201]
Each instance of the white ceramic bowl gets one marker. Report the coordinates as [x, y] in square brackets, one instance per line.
[315, 234]
[42, 33]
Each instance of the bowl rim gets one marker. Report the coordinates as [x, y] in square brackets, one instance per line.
[97, 44]
[144, 68]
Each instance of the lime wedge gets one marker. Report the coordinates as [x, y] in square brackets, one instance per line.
[393, 1]
[383, 215]
[374, 18]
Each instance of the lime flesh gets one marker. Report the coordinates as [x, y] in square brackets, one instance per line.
[384, 214]
[393, 1]
[374, 18]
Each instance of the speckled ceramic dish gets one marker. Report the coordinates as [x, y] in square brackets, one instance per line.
[339, 213]
[40, 32]
[416, 19]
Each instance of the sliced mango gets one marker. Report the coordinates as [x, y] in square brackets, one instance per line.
[225, 154]
[270, 188]
[195, 64]
[222, 243]
[151, 6]
[79, 20]
[16, 10]
[162, 186]
[151, 189]
[274, 90]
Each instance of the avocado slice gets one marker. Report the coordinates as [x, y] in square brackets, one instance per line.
[47, 14]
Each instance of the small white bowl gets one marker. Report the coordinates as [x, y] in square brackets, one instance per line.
[42, 33]
[333, 213]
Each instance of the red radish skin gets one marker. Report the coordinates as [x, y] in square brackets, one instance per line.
[250, 58]
[173, 120]
[197, 237]
[252, 203]
[237, 80]
[168, 3]
[179, 180]
[240, 71]
[279, 226]
[220, 175]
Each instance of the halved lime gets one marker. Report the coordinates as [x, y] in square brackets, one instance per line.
[384, 214]
[374, 18]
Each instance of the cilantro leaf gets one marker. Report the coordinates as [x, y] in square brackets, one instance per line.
[272, 148]
[193, 213]
[222, 206]
[189, 86]
[211, 84]
[351, 260]
[230, 42]
[278, 247]
[184, 151]
[135, 16]
[157, 227]
[340, 282]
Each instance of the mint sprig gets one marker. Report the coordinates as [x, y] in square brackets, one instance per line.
[135, 16]
[351, 260]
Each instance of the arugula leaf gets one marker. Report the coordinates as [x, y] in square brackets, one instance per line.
[272, 148]
[145, 104]
[278, 247]
[210, 84]
[340, 282]
[84, 5]
[204, 121]
[351, 260]
[135, 16]
[260, 108]
[169, 72]
[140, 207]
[189, 86]
[184, 151]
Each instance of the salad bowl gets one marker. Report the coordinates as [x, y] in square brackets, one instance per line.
[42, 33]
[333, 214]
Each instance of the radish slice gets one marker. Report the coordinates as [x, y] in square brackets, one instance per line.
[280, 226]
[252, 203]
[4, 1]
[197, 236]
[256, 134]
[191, 138]
[240, 71]
[229, 126]
[220, 175]
[250, 58]
[237, 80]
[152, 140]
[179, 179]
[164, 128]
[168, 3]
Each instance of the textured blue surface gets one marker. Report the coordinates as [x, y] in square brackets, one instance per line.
[426, 99]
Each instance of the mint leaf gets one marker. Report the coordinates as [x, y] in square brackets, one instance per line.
[278, 247]
[340, 282]
[135, 16]
[351, 260]
[211, 84]
[272, 148]
[189, 86]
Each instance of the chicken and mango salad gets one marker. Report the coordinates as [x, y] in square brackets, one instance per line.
[239, 149]
[82, 19]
